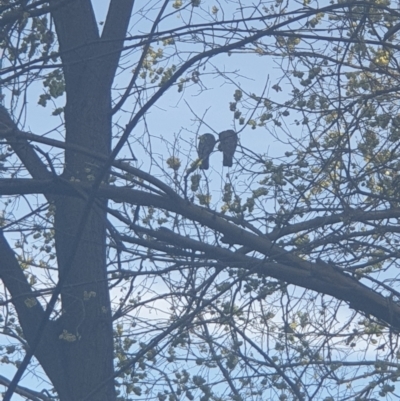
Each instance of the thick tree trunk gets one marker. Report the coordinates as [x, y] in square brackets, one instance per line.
[76, 351]
[86, 335]
[86, 323]
[86, 320]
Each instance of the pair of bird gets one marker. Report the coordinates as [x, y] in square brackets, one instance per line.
[227, 145]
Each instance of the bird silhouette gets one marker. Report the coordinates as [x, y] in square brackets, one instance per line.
[227, 145]
[205, 148]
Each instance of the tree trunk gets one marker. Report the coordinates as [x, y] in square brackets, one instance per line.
[86, 322]
[85, 327]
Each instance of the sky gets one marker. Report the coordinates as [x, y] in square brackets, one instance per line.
[172, 115]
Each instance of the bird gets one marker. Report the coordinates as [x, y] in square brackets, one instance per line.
[227, 145]
[205, 148]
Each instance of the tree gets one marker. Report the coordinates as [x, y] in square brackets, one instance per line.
[127, 271]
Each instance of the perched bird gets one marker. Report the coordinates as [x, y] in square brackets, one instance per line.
[206, 146]
[228, 142]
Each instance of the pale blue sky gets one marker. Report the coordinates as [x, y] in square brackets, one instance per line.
[171, 115]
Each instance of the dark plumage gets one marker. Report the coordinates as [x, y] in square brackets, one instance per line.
[205, 148]
[228, 142]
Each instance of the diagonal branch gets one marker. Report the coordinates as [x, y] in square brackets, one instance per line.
[26, 392]
[280, 264]
[23, 149]
[30, 312]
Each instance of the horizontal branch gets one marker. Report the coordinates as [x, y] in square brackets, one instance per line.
[280, 264]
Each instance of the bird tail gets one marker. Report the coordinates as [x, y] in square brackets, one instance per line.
[228, 161]
[205, 164]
